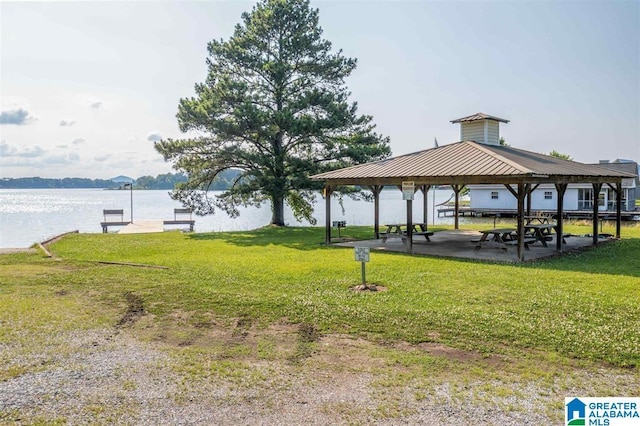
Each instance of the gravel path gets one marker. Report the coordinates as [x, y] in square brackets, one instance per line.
[108, 376]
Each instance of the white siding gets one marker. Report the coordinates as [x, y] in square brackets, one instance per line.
[494, 132]
[538, 202]
[475, 131]
[571, 199]
[480, 196]
[472, 131]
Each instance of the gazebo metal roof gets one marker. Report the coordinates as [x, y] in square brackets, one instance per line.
[470, 162]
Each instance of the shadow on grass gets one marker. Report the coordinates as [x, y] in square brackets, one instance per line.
[614, 258]
[300, 238]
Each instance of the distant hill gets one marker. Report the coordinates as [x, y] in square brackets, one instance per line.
[122, 179]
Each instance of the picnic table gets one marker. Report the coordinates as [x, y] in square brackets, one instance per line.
[540, 219]
[399, 230]
[540, 232]
[502, 237]
[497, 235]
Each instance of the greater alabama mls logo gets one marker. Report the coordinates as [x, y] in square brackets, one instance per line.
[602, 411]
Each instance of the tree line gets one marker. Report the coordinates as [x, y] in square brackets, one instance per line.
[49, 183]
[162, 181]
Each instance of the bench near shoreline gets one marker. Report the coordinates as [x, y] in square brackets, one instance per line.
[115, 218]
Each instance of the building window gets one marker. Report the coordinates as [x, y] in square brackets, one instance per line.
[548, 195]
[585, 199]
[494, 195]
[611, 199]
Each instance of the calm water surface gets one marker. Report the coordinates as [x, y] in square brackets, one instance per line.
[32, 215]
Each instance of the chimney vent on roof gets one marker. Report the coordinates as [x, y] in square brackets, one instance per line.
[481, 128]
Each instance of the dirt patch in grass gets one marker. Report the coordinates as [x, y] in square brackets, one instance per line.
[368, 288]
[135, 309]
[243, 325]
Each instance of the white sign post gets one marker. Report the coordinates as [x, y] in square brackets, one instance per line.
[362, 256]
[408, 189]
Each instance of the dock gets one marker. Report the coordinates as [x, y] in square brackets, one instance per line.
[143, 227]
[447, 211]
[114, 218]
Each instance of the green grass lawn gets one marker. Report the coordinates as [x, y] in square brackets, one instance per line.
[581, 309]
[585, 305]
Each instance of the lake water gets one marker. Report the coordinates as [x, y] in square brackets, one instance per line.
[34, 215]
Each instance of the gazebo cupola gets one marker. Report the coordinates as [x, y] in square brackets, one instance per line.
[480, 128]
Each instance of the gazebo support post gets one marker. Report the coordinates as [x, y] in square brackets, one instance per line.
[520, 195]
[618, 208]
[596, 194]
[410, 226]
[529, 198]
[618, 190]
[561, 188]
[456, 190]
[376, 189]
[328, 190]
[425, 204]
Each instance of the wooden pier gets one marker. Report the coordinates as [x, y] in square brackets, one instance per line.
[570, 215]
[115, 219]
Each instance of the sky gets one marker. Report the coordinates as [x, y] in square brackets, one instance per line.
[87, 87]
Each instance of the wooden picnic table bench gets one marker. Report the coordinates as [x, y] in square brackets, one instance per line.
[539, 219]
[527, 241]
[541, 232]
[502, 238]
[398, 230]
[108, 214]
[182, 220]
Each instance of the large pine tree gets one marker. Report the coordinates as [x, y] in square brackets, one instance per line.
[275, 106]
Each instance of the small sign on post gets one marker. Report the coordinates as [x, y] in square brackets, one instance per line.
[339, 224]
[408, 189]
[362, 255]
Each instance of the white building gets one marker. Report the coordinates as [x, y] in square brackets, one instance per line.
[485, 129]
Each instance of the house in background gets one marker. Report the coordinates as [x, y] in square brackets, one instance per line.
[485, 129]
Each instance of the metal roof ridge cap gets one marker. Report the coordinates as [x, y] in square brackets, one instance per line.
[513, 164]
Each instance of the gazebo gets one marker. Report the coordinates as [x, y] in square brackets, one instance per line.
[481, 160]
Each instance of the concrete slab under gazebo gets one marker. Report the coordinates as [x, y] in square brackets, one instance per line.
[481, 162]
[459, 244]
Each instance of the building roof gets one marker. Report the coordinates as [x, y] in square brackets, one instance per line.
[469, 162]
[626, 166]
[479, 116]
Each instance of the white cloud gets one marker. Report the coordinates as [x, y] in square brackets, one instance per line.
[35, 156]
[67, 123]
[154, 137]
[18, 117]
[103, 157]
[61, 158]
[96, 104]
[78, 141]
[9, 151]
